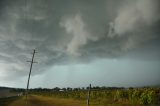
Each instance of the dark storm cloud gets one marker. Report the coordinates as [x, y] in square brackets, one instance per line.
[73, 31]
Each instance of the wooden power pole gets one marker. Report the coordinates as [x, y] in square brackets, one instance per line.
[32, 61]
[88, 98]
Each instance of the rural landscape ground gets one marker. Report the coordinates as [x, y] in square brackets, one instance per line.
[99, 96]
[35, 100]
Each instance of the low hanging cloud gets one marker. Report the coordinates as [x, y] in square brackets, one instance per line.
[77, 28]
[135, 15]
[133, 20]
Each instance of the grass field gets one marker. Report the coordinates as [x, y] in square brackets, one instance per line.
[119, 97]
[36, 100]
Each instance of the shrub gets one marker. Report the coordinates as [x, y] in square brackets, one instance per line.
[148, 97]
[121, 94]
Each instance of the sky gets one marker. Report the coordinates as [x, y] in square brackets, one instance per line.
[102, 42]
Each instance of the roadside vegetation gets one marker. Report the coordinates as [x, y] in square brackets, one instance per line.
[99, 96]
[104, 96]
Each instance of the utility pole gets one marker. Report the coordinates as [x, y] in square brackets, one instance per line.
[32, 61]
[89, 91]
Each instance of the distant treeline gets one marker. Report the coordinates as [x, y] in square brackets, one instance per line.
[94, 88]
[76, 89]
[66, 89]
[2, 88]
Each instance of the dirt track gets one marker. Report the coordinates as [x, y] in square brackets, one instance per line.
[46, 101]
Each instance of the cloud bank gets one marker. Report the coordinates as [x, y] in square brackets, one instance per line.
[76, 32]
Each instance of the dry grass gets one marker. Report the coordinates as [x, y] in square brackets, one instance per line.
[35, 100]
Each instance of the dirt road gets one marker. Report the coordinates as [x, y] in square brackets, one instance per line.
[35, 100]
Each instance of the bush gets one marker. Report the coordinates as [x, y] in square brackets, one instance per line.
[121, 94]
[148, 97]
[136, 94]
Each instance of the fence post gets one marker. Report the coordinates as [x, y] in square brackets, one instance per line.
[88, 98]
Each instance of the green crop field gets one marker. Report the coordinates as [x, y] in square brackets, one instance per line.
[119, 97]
